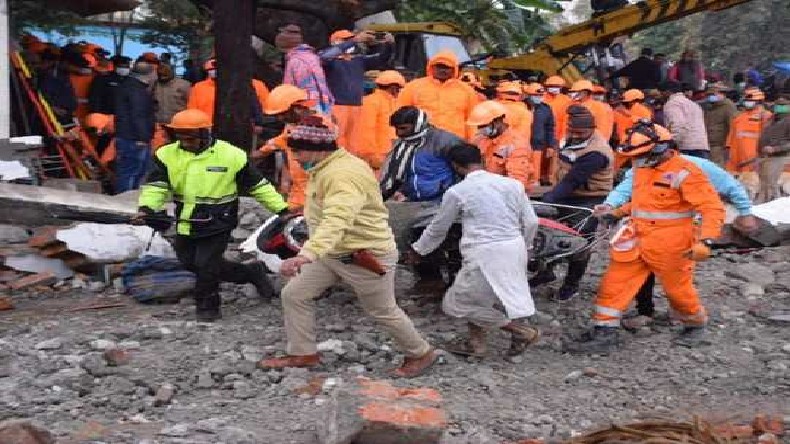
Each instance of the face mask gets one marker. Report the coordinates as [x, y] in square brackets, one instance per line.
[308, 165]
[212, 73]
[123, 72]
[554, 90]
[536, 99]
[742, 85]
[781, 109]
[749, 104]
[599, 97]
[575, 96]
[713, 98]
[85, 71]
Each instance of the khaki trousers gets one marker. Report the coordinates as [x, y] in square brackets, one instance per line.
[376, 295]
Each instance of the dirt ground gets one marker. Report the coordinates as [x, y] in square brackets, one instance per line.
[52, 369]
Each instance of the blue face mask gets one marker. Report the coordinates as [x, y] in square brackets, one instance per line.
[536, 99]
[713, 98]
[308, 165]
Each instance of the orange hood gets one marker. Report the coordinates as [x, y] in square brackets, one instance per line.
[446, 57]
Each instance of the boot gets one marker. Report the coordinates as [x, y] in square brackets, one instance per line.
[600, 341]
[474, 345]
[259, 278]
[566, 293]
[546, 276]
[207, 308]
[521, 337]
[413, 367]
[290, 361]
[692, 336]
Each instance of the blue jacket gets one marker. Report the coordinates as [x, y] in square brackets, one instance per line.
[542, 127]
[430, 174]
[346, 77]
[134, 111]
[725, 184]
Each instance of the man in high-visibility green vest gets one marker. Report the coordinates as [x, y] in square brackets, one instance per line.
[204, 176]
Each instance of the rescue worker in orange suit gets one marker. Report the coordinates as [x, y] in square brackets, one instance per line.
[559, 103]
[505, 151]
[471, 79]
[585, 176]
[745, 130]
[81, 76]
[103, 126]
[345, 65]
[519, 117]
[582, 93]
[376, 133]
[287, 104]
[674, 215]
[626, 115]
[543, 139]
[204, 92]
[442, 95]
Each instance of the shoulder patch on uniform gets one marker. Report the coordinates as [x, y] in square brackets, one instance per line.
[217, 169]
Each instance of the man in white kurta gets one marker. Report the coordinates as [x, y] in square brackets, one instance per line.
[498, 225]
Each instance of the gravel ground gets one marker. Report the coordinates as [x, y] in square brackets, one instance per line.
[53, 367]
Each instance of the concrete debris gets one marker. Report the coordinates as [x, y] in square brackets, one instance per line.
[164, 394]
[49, 344]
[116, 356]
[34, 263]
[11, 234]
[753, 273]
[366, 411]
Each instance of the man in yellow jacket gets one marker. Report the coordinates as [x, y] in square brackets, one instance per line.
[375, 130]
[204, 176]
[351, 242]
[442, 95]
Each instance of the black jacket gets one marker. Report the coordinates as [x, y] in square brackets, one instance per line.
[101, 97]
[134, 111]
[542, 127]
[642, 73]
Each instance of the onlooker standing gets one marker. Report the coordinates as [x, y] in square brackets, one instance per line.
[719, 113]
[171, 95]
[191, 72]
[660, 59]
[774, 151]
[688, 70]
[101, 98]
[134, 127]
[643, 73]
[345, 68]
[686, 121]
[303, 67]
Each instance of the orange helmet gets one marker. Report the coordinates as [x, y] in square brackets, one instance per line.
[282, 98]
[210, 64]
[645, 137]
[90, 59]
[509, 87]
[190, 119]
[485, 112]
[98, 120]
[754, 94]
[341, 35]
[390, 77]
[582, 85]
[555, 81]
[632, 95]
[534, 89]
[150, 57]
[598, 89]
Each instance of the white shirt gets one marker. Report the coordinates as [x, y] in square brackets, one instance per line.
[492, 208]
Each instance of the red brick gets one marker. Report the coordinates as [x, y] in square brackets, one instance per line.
[33, 280]
[5, 304]
[768, 424]
[116, 357]
[44, 236]
[403, 415]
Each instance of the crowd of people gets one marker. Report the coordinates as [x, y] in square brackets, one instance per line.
[652, 158]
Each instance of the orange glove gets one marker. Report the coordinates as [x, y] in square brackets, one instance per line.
[699, 252]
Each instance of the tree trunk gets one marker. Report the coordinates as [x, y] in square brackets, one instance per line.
[233, 26]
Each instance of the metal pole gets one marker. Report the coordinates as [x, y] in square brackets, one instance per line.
[5, 95]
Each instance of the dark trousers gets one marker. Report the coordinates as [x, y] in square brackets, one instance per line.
[203, 256]
[644, 298]
[577, 264]
[430, 267]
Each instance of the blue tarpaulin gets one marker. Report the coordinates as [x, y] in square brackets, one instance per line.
[783, 66]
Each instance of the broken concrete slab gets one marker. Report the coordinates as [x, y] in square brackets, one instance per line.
[366, 411]
[36, 206]
[33, 263]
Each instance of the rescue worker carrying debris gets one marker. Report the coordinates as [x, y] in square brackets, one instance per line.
[505, 151]
[584, 178]
[675, 213]
[204, 176]
[499, 226]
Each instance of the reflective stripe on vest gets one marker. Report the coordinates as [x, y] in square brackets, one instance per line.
[608, 323]
[662, 215]
[677, 181]
[606, 311]
[208, 200]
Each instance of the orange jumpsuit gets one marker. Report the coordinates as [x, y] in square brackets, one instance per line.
[743, 138]
[518, 117]
[447, 103]
[81, 83]
[202, 95]
[663, 207]
[508, 154]
[375, 131]
[298, 176]
[624, 119]
[347, 118]
[604, 116]
[559, 107]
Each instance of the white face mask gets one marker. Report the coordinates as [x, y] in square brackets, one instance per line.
[121, 71]
[536, 99]
[212, 73]
[599, 97]
[554, 90]
[575, 96]
[749, 104]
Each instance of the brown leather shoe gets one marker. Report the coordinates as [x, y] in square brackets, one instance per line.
[521, 337]
[290, 361]
[413, 367]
